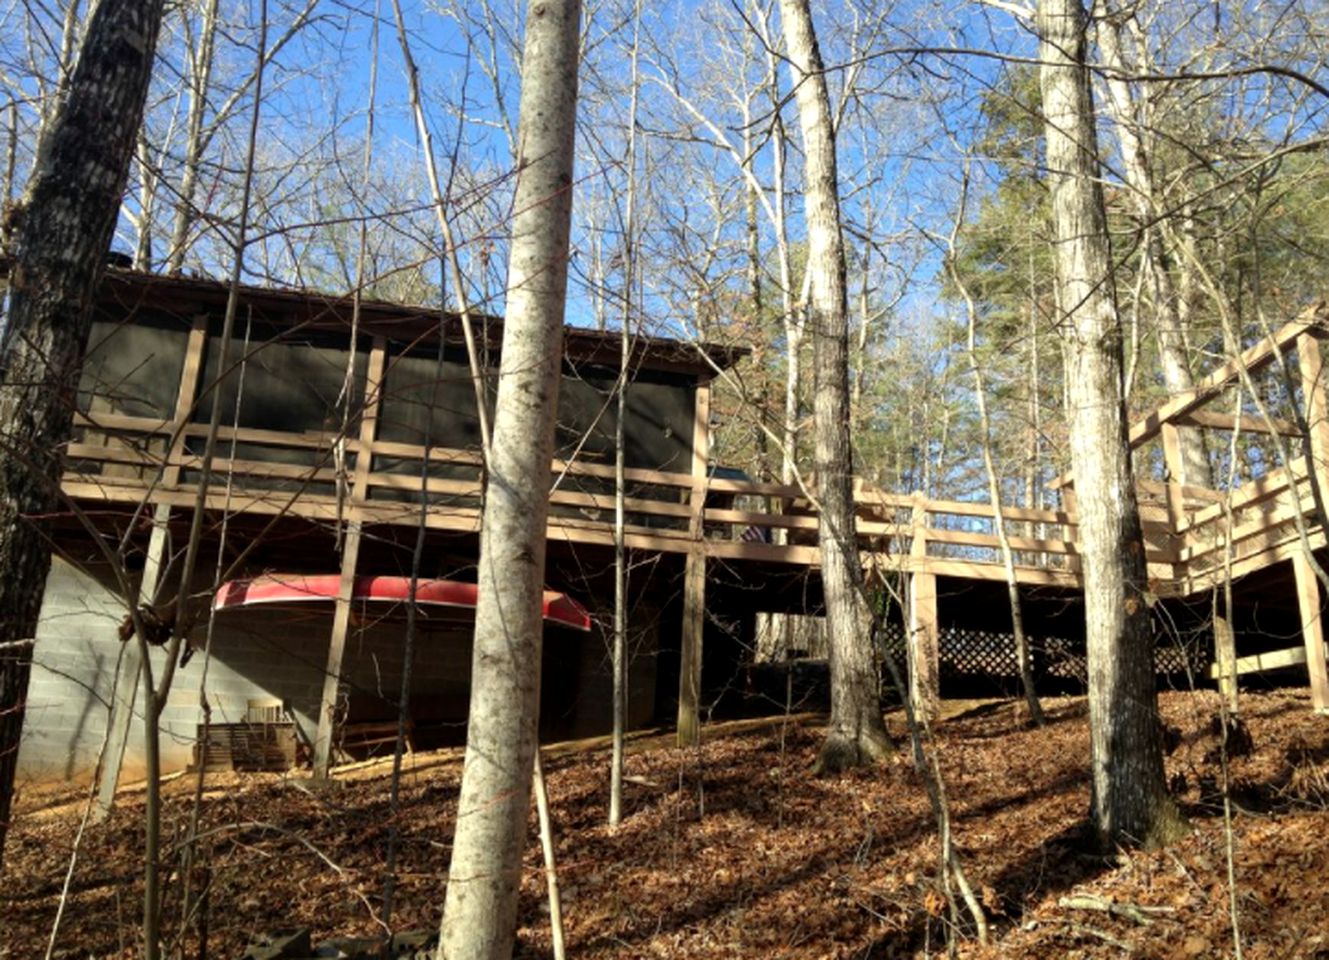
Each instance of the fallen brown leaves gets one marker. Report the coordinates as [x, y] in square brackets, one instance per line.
[734, 850]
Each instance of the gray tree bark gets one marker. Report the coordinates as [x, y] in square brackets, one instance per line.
[1130, 803]
[1137, 164]
[480, 911]
[857, 733]
[200, 80]
[67, 222]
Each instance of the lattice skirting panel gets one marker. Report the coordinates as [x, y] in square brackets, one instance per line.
[984, 661]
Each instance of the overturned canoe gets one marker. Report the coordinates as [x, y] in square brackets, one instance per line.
[303, 588]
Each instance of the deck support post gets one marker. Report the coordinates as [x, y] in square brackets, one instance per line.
[341, 618]
[924, 645]
[694, 578]
[125, 688]
[1310, 362]
[1312, 630]
[689, 667]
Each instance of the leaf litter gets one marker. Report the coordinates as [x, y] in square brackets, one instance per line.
[734, 849]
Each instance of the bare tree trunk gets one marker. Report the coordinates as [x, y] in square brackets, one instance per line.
[70, 211]
[1130, 803]
[11, 164]
[64, 66]
[1022, 652]
[620, 653]
[793, 323]
[857, 733]
[147, 203]
[1137, 166]
[480, 911]
[200, 79]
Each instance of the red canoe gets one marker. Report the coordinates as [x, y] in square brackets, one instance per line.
[300, 588]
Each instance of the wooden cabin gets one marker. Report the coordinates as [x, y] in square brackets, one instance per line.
[336, 429]
[341, 434]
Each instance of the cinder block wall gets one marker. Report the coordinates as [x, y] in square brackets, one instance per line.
[280, 652]
[73, 669]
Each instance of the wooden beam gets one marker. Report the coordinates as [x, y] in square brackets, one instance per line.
[1312, 629]
[918, 542]
[1188, 492]
[984, 509]
[1197, 580]
[1266, 520]
[341, 621]
[1254, 358]
[694, 577]
[1214, 420]
[350, 560]
[689, 668]
[130, 667]
[1259, 663]
[373, 404]
[1269, 485]
[974, 570]
[924, 645]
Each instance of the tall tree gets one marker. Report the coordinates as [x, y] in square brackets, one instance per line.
[1130, 801]
[480, 912]
[1132, 124]
[68, 216]
[857, 733]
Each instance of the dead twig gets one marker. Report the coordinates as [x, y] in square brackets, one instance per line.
[1088, 931]
[1142, 915]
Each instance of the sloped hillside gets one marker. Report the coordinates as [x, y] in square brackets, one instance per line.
[734, 850]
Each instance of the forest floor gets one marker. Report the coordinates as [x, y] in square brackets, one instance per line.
[735, 850]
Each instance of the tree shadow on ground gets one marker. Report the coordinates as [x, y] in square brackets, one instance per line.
[1058, 863]
[980, 723]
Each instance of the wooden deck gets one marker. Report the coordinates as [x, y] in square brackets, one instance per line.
[1194, 537]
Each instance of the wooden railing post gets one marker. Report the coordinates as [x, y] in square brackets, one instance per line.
[694, 578]
[1070, 532]
[187, 397]
[350, 559]
[1176, 476]
[1311, 365]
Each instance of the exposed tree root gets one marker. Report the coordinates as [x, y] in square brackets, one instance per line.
[847, 751]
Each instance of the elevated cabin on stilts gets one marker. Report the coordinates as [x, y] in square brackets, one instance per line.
[332, 440]
[336, 443]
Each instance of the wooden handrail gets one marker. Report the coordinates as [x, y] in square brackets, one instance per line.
[668, 509]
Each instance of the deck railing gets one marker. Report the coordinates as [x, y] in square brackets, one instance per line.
[325, 476]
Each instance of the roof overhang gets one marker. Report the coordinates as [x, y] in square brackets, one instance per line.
[124, 291]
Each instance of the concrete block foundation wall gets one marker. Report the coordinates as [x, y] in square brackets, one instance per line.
[280, 653]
